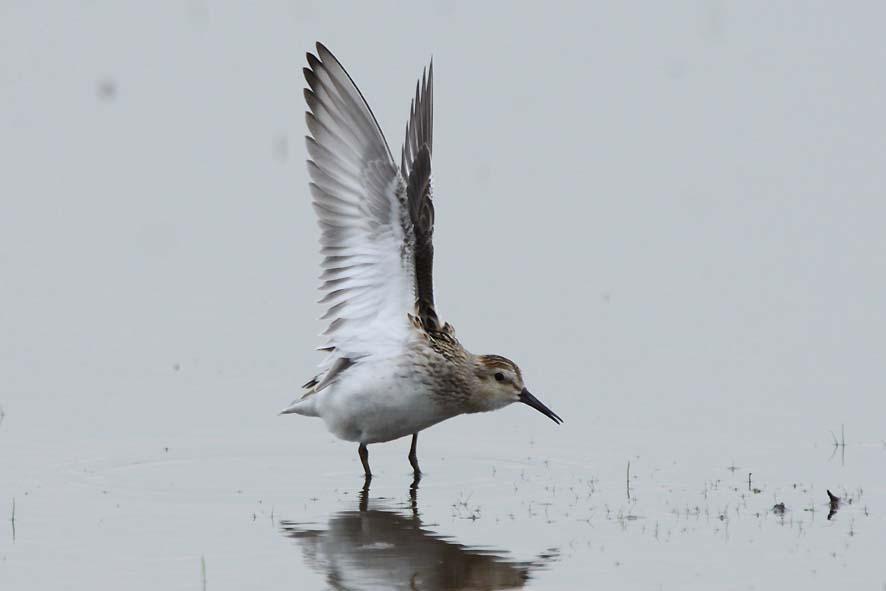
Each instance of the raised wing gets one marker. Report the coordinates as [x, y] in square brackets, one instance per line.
[415, 166]
[361, 203]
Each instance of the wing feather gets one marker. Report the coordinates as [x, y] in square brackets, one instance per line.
[415, 166]
[359, 196]
[420, 128]
[376, 220]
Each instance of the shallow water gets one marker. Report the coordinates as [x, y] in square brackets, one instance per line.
[274, 502]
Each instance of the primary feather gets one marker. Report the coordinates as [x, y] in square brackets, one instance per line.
[376, 220]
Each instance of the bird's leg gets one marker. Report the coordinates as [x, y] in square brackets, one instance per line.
[413, 458]
[364, 457]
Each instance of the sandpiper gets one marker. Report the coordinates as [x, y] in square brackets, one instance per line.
[393, 368]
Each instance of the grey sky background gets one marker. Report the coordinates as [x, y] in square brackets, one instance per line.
[670, 214]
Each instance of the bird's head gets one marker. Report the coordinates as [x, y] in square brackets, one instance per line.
[499, 382]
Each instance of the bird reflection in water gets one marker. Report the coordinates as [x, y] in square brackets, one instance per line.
[385, 548]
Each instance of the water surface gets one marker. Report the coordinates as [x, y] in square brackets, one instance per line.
[670, 218]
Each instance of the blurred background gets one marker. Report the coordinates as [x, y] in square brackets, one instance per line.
[671, 215]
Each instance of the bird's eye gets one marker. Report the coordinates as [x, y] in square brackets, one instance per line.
[499, 377]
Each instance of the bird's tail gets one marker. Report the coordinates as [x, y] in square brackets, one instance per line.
[302, 406]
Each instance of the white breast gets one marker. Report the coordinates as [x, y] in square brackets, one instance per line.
[377, 401]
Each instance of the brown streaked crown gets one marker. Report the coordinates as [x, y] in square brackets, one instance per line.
[499, 362]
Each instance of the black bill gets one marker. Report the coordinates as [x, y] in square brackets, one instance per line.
[527, 398]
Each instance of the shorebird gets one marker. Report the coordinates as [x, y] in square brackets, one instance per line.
[393, 368]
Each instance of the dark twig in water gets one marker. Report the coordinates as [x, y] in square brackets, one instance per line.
[834, 502]
[842, 441]
[203, 571]
[628, 480]
[753, 489]
[841, 445]
[12, 519]
[2, 415]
